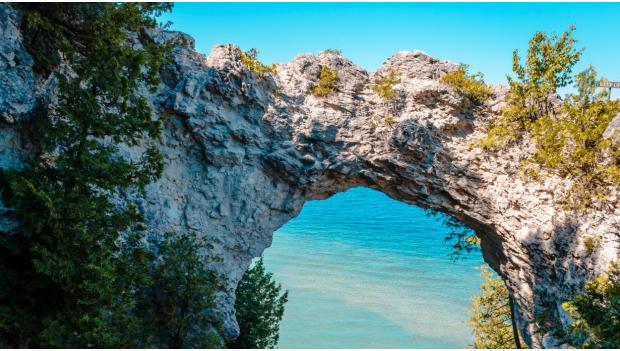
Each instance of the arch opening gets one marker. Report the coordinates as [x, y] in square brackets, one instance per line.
[365, 270]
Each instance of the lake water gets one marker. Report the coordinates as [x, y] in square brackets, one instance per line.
[366, 271]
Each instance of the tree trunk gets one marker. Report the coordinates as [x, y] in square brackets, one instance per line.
[515, 330]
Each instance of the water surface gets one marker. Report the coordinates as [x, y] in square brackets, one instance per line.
[366, 271]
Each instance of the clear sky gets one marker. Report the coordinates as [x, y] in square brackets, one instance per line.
[482, 35]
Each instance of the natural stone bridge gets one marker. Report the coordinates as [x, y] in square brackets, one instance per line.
[243, 153]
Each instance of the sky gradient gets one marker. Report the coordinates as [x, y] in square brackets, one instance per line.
[482, 35]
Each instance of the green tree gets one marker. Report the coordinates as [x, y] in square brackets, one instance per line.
[547, 67]
[492, 315]
[63, 281]
[596, 313]
[260, 307]
[572, 144]
[568, 135]
[174, 302]
[462, 239]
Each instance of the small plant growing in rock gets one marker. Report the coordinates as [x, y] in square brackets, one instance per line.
[386, 120]
[592, 243]
[250, 60]
[390, 121]
[327, 84]
[385, 86]
[471, 86]
[333, 51]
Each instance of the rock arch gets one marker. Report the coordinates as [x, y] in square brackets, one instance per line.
[243, 153]
[255, 148]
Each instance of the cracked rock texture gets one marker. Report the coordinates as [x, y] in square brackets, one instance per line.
[243, 153]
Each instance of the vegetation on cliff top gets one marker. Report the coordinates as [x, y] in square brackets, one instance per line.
[471, 86]
[385, 86]
[333, 51]
[548, 66]
[250, 60]
[327, 83]
[568, 134]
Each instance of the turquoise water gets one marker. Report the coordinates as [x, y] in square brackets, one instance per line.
[366, 271]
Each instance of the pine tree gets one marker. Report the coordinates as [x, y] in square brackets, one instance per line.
[260, 308]
[173, 304]
[63, 282]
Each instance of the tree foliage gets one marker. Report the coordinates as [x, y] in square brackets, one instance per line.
[63, 280]
[572, 144]
[568, 135]
[327, 83]
[471, 86]
[462, 239]
[596, 313]
[384, 87]
[260, 307]
[547, 67]
[78, 272]
[172, 305]
[491, 315]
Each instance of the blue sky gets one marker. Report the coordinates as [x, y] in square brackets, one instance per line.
[482, 35]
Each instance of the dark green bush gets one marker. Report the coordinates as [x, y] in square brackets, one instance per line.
[172, 306]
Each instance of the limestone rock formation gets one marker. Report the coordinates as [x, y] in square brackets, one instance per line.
[243, 153]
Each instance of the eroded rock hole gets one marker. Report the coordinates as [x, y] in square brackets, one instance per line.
[364, 270]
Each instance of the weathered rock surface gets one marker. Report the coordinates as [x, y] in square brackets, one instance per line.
[243, 154]
[613, 130]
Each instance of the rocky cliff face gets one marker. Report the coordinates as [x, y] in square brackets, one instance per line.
[243, 153]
